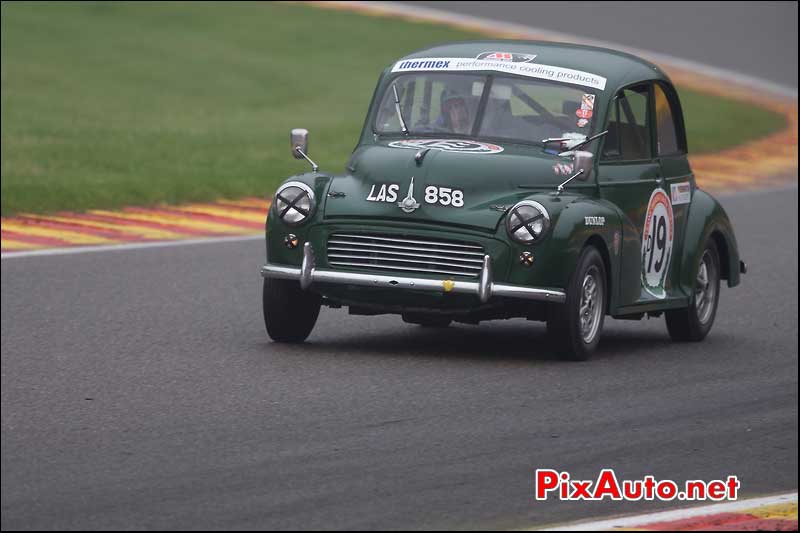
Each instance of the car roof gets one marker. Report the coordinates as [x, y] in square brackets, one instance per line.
[619, 68]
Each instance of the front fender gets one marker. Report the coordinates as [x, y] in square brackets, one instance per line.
[556, 258]
[708, 220]
[275, 229]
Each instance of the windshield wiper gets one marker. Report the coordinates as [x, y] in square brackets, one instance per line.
[583, 143]
[397, 108]
[566, 140]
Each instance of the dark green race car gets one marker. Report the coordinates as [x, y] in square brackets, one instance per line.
[506, 179]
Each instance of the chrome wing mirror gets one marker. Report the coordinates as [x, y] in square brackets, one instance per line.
[584, 163]
[583, 166]
[299, 139]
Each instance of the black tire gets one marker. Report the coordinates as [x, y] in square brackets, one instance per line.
[427, 321]
[289, 312]
[692, 324]
[564, 322]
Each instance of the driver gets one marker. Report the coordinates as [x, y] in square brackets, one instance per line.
[455, 113]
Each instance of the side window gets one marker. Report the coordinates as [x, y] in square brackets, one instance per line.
[611, 148]
[666, 132]
[628, 136]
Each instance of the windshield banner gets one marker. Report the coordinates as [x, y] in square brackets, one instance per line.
[532, 70]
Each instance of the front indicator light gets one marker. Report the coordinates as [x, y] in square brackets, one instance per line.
[526, 259]
[291, 241]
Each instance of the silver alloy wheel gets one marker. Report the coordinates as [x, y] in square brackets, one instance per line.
[591, 308]
[705, 291]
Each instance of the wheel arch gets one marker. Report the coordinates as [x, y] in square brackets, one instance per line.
[575, 234]
[724, 253]
[708, 220]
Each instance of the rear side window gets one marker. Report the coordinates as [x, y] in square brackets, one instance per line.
[628, 136]
[666, 131]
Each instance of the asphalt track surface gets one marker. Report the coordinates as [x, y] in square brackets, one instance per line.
[754, 38]
[139, 390]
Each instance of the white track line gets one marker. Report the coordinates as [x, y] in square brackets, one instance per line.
[680, 514]
[493, 25]
[437, 15]
[129, 246]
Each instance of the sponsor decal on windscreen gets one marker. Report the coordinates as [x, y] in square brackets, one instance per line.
[520, 68]
[507, 56]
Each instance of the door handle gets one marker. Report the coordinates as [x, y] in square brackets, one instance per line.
[660, 181]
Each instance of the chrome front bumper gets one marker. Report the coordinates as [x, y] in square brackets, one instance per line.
[484, 288]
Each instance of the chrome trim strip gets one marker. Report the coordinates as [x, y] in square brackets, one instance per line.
[279, 272]
[529, 293]
[409, 241]
[405, 269]
[485, 288]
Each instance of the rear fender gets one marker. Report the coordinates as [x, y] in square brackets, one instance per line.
[708, 220]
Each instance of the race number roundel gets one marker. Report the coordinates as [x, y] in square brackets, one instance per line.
[449, 145]
[657, 236]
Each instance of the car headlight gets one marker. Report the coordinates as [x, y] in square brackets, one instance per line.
[527, 222]
[294, 203]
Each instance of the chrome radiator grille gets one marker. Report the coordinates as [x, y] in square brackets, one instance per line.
[404, 253]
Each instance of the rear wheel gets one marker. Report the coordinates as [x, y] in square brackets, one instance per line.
[693, 323]
[574, 327]
[289, 312]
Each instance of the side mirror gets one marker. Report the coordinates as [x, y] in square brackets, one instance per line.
[299, 138]
[584, 161]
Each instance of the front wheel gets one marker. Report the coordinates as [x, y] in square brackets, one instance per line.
[289, 312]
[574, 327]
[693, 323]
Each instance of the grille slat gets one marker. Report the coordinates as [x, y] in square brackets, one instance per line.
[388, 260]
[408, 254]
[432, 257]
[463, 246]
[425, 270]
[400, 247]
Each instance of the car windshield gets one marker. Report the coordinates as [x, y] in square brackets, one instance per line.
[491, 107]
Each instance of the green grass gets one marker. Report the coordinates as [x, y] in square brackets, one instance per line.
[714, 123]
[112, 104]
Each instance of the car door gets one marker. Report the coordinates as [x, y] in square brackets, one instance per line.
[679, 181]
[628, 177]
